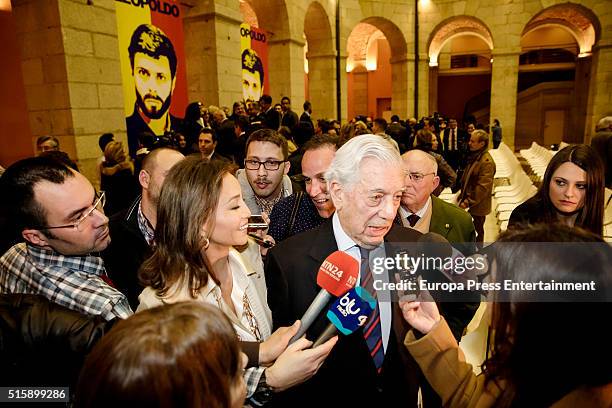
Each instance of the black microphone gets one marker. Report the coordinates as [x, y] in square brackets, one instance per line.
[455, 266]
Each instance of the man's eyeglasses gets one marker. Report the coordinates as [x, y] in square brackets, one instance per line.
[268, 164]
[418, 177]
[100, 200]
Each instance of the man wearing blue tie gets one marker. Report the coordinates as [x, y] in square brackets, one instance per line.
[370, 366]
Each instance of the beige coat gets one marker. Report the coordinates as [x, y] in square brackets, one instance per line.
[444, 366]
[247, 270]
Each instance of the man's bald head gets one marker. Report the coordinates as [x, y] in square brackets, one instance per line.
[429, 163]
[155, 167]
[421, 179]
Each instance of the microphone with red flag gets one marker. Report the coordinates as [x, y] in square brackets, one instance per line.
[337, 274]
[348, 313]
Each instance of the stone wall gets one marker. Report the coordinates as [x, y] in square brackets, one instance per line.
[71, 67]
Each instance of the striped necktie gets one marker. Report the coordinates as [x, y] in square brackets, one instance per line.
[372, 331]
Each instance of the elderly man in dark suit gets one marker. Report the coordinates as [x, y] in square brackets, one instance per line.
[370, 366]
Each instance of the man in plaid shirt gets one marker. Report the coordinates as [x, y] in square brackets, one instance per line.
[61, 219]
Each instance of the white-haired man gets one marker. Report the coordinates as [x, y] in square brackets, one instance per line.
[369, 368]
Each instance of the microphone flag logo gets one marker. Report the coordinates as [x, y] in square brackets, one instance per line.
[350, 311]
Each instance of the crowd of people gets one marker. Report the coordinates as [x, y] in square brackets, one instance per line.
[158, 291]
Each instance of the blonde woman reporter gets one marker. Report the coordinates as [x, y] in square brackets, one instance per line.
[201, 217]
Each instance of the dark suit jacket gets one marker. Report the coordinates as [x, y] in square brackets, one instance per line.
[305, 117]
[225, 138]
[462, 139]
[305, 130]
[271, 119]
[290, 119]
[127, 251]
[456, 226]
[399, 134]
[529, 212]
[348, 376]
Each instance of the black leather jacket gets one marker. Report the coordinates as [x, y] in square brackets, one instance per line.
[42, 343]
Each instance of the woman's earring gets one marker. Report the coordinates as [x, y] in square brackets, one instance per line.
[207, 243]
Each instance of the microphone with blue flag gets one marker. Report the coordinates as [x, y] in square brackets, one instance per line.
[348, 313]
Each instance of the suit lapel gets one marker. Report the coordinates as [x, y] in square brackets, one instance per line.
[323, 245]
[438, 222]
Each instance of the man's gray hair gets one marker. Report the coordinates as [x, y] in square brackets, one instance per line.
[346, 164]
[604, 123]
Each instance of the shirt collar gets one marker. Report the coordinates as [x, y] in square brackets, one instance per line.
[343, 241]
[48, 257]
[240, 273]
[145, 226]
[210, 155]
[406, 212]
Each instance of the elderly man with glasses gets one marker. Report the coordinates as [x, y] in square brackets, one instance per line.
[422, 210]
[61, 219]
[264, 181]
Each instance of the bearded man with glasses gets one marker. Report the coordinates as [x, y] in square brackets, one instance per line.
[61, 219]
[264, 181]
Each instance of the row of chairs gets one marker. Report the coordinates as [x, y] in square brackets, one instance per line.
[608, 216]
[518, 189]
[513, 185]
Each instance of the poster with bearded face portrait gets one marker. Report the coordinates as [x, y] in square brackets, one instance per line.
[151, 49]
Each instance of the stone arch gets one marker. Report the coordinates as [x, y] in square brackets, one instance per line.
[394, 35]
[321, 59]
[248, 14]
[358, 42]
[578, 20]
[272, 16]
[453, 27]
[318, 30]
[391, 82]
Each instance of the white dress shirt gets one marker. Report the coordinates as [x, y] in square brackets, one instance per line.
[346, 244]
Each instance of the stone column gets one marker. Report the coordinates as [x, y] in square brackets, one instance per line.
[408, 78]
[400, 87]
[433, 89]
[322, 84]
[582, 78]
[600, 93]
[360, 91]
[72, 75]
[424, 86]
[343, 88]
[504, 81]
[212, 50]
[286, 66]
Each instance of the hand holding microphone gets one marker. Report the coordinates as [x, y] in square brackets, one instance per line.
[273, 346]
[297, 363]
[420, 315]
[338, 273]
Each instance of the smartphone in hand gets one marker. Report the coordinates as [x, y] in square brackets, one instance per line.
[257, 222]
